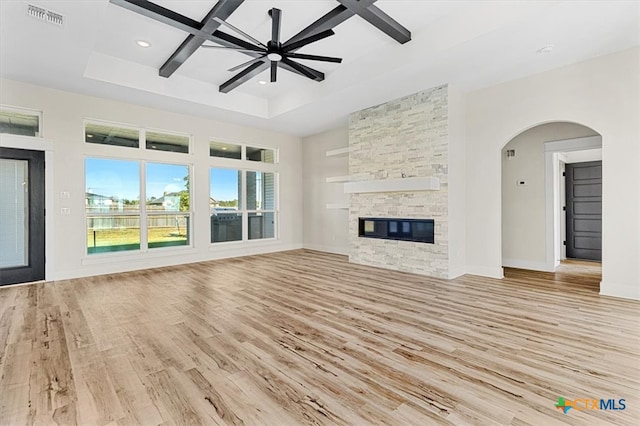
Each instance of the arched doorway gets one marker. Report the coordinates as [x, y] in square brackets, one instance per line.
[533, 196]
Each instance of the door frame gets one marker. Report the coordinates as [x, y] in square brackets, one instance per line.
[40, 144]
[554, 238]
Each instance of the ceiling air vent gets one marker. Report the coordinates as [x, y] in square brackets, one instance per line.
[45, 15]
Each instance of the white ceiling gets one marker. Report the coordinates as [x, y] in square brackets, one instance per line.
[470, 44]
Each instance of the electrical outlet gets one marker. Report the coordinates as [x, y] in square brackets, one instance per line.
[65, 211]
[65, 194]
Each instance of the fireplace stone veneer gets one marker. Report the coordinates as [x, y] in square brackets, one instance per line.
[408, 137]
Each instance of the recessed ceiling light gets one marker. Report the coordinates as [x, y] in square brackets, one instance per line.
[262, 82]
[143, 43]
[546, 49]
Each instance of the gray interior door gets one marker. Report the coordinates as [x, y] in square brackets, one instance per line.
[584, 210]
[21, 216]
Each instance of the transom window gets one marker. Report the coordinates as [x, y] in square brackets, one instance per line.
[18, 121]
[242, 152]
[98, 132]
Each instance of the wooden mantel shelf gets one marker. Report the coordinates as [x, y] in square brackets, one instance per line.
[393, 185]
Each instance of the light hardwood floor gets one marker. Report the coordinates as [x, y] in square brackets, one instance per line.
[304, 337]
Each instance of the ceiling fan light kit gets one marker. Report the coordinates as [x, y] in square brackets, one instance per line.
[274, 54]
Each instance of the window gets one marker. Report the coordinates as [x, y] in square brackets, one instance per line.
[231, 202]
[112, 204]
[167, 205]
[261, 204]
[167, 142]
[104, 133]
[261, 154]
[21, 122]
[117, 221]
[225, 205]
[108, 134]
[225, 150]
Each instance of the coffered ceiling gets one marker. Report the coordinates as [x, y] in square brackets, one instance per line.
[470, 44]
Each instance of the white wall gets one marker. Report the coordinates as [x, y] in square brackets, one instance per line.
[603, 94]
[325, 229]
[457, 178]
[63, 125]
[523, 207]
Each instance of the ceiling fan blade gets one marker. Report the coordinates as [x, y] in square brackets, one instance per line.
[307, 40]
[225, 39]
[246, 64]
[239, 31]
[209, 46]
[328, 21]
[276, 16]
[274, 71]
[243, 76]
[313, 57]
[303, 70]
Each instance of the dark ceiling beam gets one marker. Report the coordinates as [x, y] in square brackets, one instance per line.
[222, 10]
[376, 17]
[160, 14]
[243, 76]
[181, 22]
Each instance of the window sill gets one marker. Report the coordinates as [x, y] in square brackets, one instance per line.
[136, 255]
[240, 244]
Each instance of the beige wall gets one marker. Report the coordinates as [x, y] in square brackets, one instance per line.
[523, 207]
[325, 229]
[64, 113]
[603, 94]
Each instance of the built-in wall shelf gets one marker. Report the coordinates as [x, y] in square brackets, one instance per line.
[338, 179]
[393, 185]
[338, 206]
[338, 152]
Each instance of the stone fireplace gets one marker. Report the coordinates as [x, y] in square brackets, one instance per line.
[407, 138]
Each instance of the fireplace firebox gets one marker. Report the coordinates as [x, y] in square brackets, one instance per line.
[416, 230]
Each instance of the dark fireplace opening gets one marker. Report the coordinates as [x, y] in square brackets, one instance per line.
[416, 230]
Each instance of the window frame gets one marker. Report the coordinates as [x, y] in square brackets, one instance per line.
[26, 111]
[245, 212]
[142, 212]
[142, 136]
[243, 153]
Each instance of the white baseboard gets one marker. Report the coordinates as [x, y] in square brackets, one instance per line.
[527, 264]
[485, 271]
[118, 265]
[327, 249]
[624, 291]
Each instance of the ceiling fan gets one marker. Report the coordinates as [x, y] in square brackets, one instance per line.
[275, 53]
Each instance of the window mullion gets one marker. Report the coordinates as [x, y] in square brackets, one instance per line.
[243, 196]
[144, 245]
